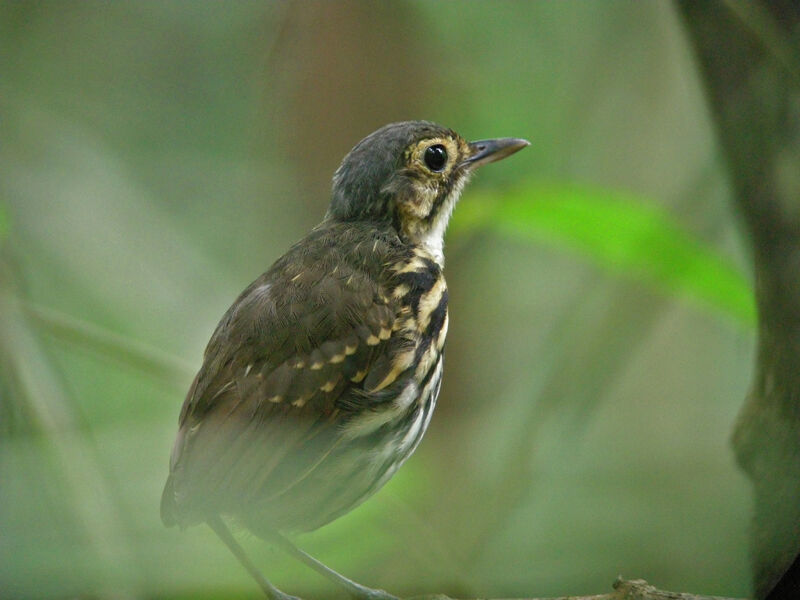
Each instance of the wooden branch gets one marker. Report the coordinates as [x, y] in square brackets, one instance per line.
[634, 589]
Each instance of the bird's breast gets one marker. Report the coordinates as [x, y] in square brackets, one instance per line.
[421, 292]
[406, 386]
[420, 289]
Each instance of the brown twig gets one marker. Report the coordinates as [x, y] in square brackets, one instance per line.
[634, 589]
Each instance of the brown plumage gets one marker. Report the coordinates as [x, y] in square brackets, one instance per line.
[321, 378]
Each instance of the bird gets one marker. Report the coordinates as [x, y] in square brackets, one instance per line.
[321, 378]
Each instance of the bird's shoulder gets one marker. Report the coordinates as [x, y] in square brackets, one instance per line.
[314, 320]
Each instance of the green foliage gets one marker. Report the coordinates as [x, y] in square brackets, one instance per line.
[156, 157]
[4, 224]
[617, 231]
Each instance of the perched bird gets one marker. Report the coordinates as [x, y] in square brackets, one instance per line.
[320, 380]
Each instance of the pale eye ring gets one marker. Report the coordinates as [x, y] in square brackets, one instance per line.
[435, 157]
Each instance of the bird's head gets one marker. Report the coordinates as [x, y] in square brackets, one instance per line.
[410, 175]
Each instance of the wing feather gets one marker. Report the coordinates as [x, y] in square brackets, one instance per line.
[288, 361]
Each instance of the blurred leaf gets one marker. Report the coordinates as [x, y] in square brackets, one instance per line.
[620, 232]
[4, 222]
[86, 493]
[109, 345]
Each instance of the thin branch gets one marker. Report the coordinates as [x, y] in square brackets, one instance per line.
[108, 344]
[635, 589]
[43, 397]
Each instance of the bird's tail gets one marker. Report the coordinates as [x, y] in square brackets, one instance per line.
[168, 507]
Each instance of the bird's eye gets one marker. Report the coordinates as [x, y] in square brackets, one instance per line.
[435, 157]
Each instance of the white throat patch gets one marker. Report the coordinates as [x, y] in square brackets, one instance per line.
[433, 240]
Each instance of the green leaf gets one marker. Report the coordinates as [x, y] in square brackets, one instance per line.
[4, 222]
[619, 232]
[109, 345]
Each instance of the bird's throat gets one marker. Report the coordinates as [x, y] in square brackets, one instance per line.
[428, 234]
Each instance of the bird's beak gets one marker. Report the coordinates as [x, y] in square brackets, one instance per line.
[486, 151]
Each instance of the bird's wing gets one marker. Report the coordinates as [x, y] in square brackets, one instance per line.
[293, 356]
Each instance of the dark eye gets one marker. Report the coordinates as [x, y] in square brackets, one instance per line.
[435, 157]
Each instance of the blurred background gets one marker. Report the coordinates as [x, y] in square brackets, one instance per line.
[155, 158]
